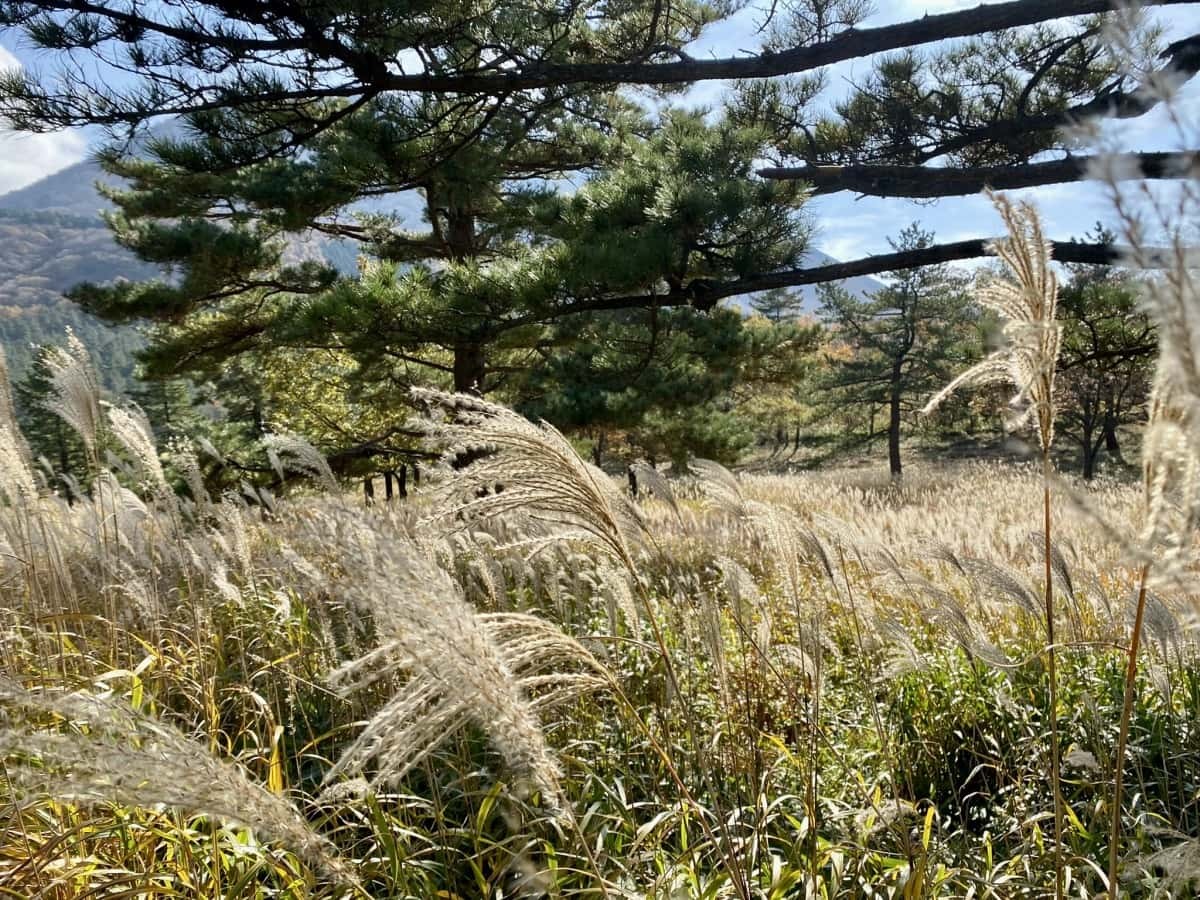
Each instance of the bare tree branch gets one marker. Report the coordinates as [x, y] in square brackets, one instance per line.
[364, 73]
[952, 181]
[704, 295]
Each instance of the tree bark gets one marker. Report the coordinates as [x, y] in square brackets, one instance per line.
[1112, 444]
[469, 368]
[1090, 452]
[894, 463]
[952, 181]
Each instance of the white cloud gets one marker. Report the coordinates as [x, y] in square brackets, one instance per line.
[24, 158]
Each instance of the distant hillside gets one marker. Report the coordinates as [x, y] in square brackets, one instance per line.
[71, 190]
[42, 254]
[51, 239]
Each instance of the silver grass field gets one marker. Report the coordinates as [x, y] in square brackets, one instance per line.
[982, 682]
[817, 685]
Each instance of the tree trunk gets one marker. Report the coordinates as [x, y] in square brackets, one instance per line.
[402, 481]
[1112, 445]
[469, 368]
[387, 486]
[1091, 449]
[369, 490]
[894, 464]
[599, 447]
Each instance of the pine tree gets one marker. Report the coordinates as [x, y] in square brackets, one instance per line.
[477, 301]
[1107, 359]
[901, 341]
[990, 98]
[778, 304]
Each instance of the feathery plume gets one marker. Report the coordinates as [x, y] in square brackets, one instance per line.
[1027, 301]
[462, 668]
[291, 453]
[17, 483]
[132, 429]
[125, 757]
[719, 485]
[519, 468]
[658, 486]
[75, 389]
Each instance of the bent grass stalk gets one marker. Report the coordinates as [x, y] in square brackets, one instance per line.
[541, 472]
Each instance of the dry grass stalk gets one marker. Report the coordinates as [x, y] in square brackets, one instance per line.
[291, 453]
[1171, 446]
[524, 469]
[75, 396]
[461, 668]
[1027, 301]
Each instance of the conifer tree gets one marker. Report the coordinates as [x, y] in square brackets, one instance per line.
[901, 341]
[507, 277]
[264, 81]
[778, 304]
[1106, 364]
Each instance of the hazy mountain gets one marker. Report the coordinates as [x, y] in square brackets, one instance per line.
[52, 238]
[70, 190]
[42, 254]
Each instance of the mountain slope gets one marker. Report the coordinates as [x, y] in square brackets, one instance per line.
[71, 190]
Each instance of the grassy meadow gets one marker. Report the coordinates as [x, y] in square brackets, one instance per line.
[522, 683]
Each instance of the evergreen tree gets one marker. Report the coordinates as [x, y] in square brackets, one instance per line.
[499, 278]
[52, 442]
[267, 84]
[1107, 359]
[902, 342]
[169, 405]
[778, 304]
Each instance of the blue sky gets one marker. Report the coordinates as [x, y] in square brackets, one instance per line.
[847, 227]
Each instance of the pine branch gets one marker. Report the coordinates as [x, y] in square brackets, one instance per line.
[1181, 62]
[952, 181]
[298, 45]
[705, 295]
